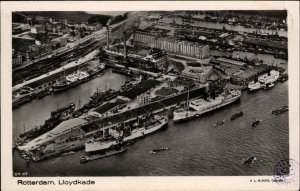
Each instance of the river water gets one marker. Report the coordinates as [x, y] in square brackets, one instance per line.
[197, 148]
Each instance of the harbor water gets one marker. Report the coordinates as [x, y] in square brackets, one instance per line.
[197, 147]
[37, 111]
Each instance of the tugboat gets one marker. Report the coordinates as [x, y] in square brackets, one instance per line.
[234, 116]
[283, 78]
[219, 123]
[154, 151]
[256, 122]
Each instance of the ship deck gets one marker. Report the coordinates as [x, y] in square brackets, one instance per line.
[148, 108]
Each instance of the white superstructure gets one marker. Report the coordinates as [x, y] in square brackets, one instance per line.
[252, 86]
[201, 106]
[92, 146]
[269, 78]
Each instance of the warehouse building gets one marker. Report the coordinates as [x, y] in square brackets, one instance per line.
[171, 45]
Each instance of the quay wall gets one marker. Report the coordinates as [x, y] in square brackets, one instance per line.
[148, 108]
[46, 65]
[51, 79]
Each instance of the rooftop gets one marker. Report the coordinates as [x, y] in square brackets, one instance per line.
[63, 127]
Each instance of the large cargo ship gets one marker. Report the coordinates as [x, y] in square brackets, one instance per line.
[76, 78]
[155, 124]
[72, 134]
[200, 106]
[70, 81]
[57, 116]
[269, 77]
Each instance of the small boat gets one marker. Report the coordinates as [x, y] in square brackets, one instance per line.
[24, 156]
[154, 151]
[236, 115]
[280, 110]
[268, 86]
[128, 143]
[254, 86]
[84, 159]
[250, 160]
[219, 123]
[68, 153]
[256, 122]
[283, 78]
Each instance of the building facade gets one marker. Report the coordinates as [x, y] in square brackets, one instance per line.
[200, 74]
[185, 48]
[144, 98]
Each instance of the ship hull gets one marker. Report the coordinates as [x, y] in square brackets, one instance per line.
[57, 89]
[187, 115]
[96, 146]
[250, 90]
[18, 102]
[265, 79]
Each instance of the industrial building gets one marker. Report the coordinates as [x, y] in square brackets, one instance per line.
[171, 45]
[200, 74]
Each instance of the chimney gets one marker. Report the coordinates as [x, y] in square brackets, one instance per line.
[107, 37]
[125, 48]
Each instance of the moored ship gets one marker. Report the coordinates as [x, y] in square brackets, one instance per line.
[25, 95]
[283, 78]
[153, 125]
[254, 86]
[74, 134]
[57, 116]
[201, 106]
[70, 81]
[269, 77]
[76, 78]
[42, 93]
